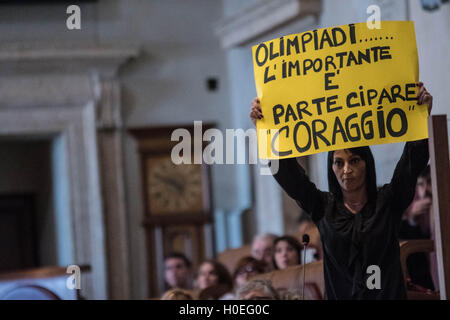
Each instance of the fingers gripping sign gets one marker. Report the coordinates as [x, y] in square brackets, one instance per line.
[255, 112]
[423, 96]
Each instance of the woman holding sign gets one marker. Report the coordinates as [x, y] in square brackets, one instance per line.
[358, 223]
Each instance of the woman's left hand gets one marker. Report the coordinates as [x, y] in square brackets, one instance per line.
[424, 96]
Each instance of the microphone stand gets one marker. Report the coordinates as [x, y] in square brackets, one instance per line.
[305, 241]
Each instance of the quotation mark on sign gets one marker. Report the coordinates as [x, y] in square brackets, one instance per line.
[74, 20]
[411, 107]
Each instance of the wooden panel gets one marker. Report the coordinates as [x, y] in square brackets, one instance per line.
[190, 218]
[18, 240]
[152, 265]
[440, 181]
[188, 239]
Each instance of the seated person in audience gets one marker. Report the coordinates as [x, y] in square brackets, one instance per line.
[314, 248]
[246, 267]
[257, 290]
[415, 220]
[416, 225]
[177, 294]
[287, 252]
[213, 280]
[178, 271]
[262, 249]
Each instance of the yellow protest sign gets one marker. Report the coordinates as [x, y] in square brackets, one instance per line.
[339, 87]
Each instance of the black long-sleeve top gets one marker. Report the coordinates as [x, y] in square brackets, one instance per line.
[353, 242]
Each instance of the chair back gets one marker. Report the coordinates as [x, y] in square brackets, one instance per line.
[289, 281]
[46, 283]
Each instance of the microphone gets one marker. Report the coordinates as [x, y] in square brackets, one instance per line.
[305, 242]
[305, 239]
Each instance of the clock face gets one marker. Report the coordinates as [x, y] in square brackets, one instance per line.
[174, 188]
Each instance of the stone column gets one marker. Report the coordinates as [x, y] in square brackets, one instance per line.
[110, 145]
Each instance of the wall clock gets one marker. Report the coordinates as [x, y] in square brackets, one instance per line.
[173, 189]
[177, 204]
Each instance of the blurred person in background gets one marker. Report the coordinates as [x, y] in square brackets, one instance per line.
[257, 290]
[263, 248]
[177, 294]
[213, 280]
[246, 268]
[178, 271]
[416, 225]
[287, 252]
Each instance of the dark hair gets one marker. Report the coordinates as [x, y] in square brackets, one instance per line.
[259, 266]
[293, 242]
[371, 177]
[214, 292]
[425, 172]
[179, 255]
[223, 275]
[224, 282]
[304, 217]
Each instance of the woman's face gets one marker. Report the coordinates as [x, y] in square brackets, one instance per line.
[350, 170]
[207, 276]
[285, 255]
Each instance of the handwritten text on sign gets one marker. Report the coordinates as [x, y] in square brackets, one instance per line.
[336, 88]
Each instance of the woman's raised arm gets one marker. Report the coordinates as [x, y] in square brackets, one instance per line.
[413, 160]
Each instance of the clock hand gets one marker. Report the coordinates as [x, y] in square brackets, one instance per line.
[172, 182]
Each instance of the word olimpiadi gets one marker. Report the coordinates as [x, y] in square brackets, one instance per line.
[310, 41]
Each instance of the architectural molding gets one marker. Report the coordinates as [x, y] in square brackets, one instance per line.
[261, 18]
[77, 128]
[77, 58]
[109, 114]
[73, 91]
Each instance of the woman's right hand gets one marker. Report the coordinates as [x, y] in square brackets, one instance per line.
[256, 112]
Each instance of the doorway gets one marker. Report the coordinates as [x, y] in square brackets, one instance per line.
[18, 233]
